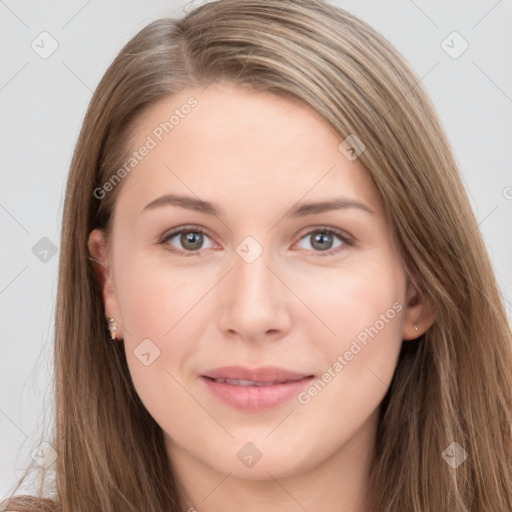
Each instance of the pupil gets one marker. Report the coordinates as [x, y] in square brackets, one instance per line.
[322, 238]
[191, 240]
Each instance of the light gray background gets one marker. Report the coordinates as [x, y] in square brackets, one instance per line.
[43, 103]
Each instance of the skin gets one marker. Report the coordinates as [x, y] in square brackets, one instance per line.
[256, 155]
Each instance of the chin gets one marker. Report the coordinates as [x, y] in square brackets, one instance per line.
[262, 460]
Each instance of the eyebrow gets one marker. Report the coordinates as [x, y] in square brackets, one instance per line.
[300, 210]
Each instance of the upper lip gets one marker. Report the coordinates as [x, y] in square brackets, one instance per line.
[262, 374]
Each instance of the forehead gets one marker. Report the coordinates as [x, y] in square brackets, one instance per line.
[225, 142]
[222, 115]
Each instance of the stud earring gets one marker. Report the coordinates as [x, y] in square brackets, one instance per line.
[112, 328]
[415, 327]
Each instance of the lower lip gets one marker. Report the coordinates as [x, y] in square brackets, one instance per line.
[256, 398]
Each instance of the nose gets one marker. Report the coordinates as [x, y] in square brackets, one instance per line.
[254, 303]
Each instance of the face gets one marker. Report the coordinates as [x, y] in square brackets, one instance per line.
[253, 279]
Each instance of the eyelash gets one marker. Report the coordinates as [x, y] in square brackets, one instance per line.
[347, 241]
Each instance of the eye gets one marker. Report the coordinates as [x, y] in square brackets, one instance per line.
[324, 240]
[188, 239]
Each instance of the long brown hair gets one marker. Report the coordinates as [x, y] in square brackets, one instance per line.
[452, 385]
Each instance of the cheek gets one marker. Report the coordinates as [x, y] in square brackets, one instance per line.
[155, 296]
[364, 308]
[160, 309]
[352, 298]
[361, 309]
[161, 306]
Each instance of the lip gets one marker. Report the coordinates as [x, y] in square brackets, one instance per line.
[272, 386]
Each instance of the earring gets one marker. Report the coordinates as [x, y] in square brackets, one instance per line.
[415, 327]
[112, 328]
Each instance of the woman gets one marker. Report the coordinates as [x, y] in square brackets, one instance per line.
[206, 359]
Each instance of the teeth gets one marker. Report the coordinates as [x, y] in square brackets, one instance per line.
[240, 382]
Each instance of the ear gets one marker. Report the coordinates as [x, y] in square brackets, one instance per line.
[99, 258]
[418, 315]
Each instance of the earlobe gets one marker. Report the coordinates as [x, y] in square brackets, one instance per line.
[418, 316]
[102, 267]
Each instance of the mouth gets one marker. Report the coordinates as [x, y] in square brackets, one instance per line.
[255, 390]
[240, 382]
